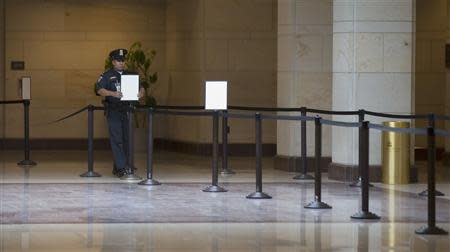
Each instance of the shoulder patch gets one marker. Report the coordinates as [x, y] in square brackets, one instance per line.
[100, 78]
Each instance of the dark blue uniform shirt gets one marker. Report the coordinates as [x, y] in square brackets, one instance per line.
[107, 81]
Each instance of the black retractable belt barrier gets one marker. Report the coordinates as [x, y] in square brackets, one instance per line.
[225, 131]
[214, 187]
[317, 203]
[358, 183]
[26, 126]
[149, 181]
[130, 176]
[259, 194]
[364, 169]
[90, 172]
[431, 227]
[303, 175]
[432, 124]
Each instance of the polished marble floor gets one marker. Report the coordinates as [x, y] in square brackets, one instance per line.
[50, 208]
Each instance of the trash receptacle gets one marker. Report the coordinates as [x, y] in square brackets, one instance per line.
[395, 154]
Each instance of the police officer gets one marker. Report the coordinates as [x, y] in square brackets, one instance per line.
[108, 86]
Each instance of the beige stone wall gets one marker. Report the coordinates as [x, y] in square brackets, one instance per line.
[431, 35]
[221, 40]
[64, 45]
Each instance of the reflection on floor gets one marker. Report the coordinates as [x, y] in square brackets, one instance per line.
[50, 208]
[241, 237]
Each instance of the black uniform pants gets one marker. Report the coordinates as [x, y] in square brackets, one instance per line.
[118, 136]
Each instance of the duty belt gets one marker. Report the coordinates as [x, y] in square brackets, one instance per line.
[116, 106]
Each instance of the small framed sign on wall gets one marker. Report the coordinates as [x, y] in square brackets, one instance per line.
[17, 65]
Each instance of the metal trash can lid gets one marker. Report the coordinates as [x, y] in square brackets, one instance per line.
[397, 124]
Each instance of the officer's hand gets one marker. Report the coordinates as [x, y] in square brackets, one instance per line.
[117, 94]
[141, 93]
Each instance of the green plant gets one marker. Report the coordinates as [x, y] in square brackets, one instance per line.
[139, 61]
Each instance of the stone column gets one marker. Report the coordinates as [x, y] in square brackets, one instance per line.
[373, 70]
[304, 73]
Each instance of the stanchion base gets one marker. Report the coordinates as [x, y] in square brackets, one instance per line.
[227, 172]
[90, 174]
[27, 163]
[214, 188]
[259, 195]
[425, 193]
[318, 205]
[303, 176]
[426, 230]
[365, 216]
[149, 182]
[130, 177]
[358, 184]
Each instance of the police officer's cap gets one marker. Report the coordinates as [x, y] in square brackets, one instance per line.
[118, 54]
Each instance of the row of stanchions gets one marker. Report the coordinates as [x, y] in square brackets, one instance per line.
[225, 130]
[317, 203]
[363, 126]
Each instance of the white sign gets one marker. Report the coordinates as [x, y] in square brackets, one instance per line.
[26, 88]
[129, 86]
[216, 95]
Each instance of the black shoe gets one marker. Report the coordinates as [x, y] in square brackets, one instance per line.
[120, 173]
[114, 171]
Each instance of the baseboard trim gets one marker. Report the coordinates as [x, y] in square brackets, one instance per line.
[234, 149]
[294, 163]
[54, 144]
[446, 158]
[350, 173]
[421, 154]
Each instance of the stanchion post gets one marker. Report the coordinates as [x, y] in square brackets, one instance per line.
[149, 181]
[214, 187]
[26, 126]
[304, 172]
[317, 203]
[225, 131]
[259, 194]
[357, 183]
[90, 173]
[431, 124]
[130, 176]
[431, 228]
[364, 170]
